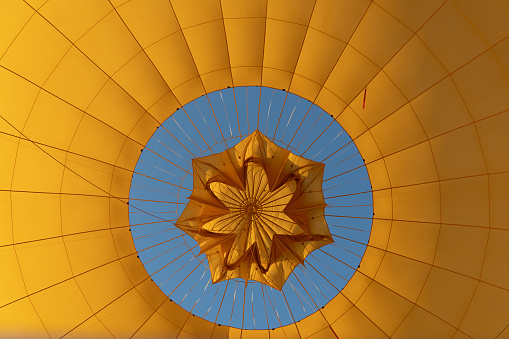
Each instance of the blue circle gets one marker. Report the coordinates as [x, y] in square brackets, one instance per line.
[162, 181]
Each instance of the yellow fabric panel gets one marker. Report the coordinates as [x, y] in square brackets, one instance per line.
[35, 216]
[245, 41]
[398, 131]
[401, 166]
[382, 99]
[325, 333]
[454, 292]
[189, 90]
[117, 3]
[276, 78]
[149, 21]
[91, 328]
[290, 331]
[14, 15]
[458, 153]
[379, 35]
[403, 275]
[141, 133]
[103, 146]
[301, 85]
[370, 262]
[220, 331]
[134, 269]
[125, 315]
[383, 307]
[131, 149]
[198, 327]
[417, 203]
[152, 293]
[109, 44]
[278, 333]
[86, 176]
[247, 76]
[414, 69]
[173, 313]
[173, 59]
[9, 147]
[164, 107]
[383, 204]
[119, 214]
[441, 108]
[488, 313]
[380, 231]
[142, 80]
[461, 249]
[414, 240]
[123, 241]
[499, 200]
[208, 46]
[11, 285]
[79, 16]
[298, 12]
[49, 50]
[355, 325]
[451, 37]
[7, 129]
[501, 52]
[412, 15]
[465, 201]
[355, 287]
[46, 176]
[120, 182]
[217, 80]
[89, 250]
[460, 335]
[367, 147]
[117, 284]
[157, 327]
[335, 308]
[76, 79]
[36, 4]
[5, 218]
[333, 105]
[20, 320]
[483, 86]
[186, 335]
[350, 75]
[421, 324]
[114, 107]
[43, 263]
[252, 334]
[492, 136]
[18, 97]
[195, 12]
[338, 18]
[318, 56]
[312, 324]
[245, 9]
[52, 121]
[489, 20]
[283, 43]
[61, 307]
[350, 121]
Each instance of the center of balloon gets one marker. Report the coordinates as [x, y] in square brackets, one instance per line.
[252, 209]
[256, 211]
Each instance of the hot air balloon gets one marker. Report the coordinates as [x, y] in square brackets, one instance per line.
[417, 94]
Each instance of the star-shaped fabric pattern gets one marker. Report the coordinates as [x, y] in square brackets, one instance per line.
[256, 210]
